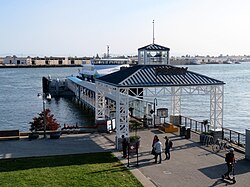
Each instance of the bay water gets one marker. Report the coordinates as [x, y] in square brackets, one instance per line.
[19, 102]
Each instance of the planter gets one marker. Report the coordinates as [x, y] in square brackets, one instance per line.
[55, 135]
[33, 136]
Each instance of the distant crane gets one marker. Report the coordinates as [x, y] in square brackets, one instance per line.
[107, 51]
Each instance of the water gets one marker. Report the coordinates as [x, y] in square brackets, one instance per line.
[236, 92]
[19, 102]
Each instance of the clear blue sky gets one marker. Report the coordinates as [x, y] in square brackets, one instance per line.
[86, 27]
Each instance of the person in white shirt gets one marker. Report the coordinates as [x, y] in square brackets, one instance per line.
[158, 150]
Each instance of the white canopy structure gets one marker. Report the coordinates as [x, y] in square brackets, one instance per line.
[152, 78]
[156, 80]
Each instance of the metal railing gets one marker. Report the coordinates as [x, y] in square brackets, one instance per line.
[194, 125]
[234, 137]
[200, 127]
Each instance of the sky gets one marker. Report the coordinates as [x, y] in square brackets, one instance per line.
[86, 27]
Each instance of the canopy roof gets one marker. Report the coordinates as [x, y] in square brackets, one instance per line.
[157, 76]
[154, 47]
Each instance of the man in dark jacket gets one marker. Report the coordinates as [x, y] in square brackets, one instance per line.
[168, 146]
[230, 160]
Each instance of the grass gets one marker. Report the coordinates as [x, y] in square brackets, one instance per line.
[92, 169]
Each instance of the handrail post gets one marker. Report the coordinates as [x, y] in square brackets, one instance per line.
[223, 133]
[238, 138]
[230, 135]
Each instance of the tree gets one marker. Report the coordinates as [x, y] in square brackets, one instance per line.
[38, 122]
[134, 124]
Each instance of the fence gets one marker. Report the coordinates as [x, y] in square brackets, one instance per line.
[199, 127]
[194, 125]
[234, 137]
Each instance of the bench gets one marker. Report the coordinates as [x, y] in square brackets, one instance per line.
[9, 135]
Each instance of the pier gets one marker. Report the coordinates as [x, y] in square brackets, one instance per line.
[135, 91]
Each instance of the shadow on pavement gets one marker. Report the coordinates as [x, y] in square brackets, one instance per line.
[157, 131]
[215, 172]
[220, 181]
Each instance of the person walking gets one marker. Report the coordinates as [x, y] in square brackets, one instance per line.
[153, 149]
[158, 150]
[168, 146]
[230, 160]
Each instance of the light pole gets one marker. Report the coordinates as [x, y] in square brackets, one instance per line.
[44, 113]
[44, 118]
[155, 104]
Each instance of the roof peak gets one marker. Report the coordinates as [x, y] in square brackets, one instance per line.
[154, 47]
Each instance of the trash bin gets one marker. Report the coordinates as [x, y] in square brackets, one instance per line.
[188, 133]
[182, 130]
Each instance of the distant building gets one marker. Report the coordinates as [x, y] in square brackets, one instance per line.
[14, 60]
[1, 60]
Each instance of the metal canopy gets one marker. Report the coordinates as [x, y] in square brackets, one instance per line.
[152, 81]
[157, 76]
[154, 47]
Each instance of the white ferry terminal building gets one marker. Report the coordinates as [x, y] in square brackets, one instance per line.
[139, 87]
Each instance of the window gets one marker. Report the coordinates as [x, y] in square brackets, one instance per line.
[18, 62]
[47, 62]
[33, 62]
[60, 61]
[72, 61]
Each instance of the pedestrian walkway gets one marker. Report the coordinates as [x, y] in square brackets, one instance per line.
[191, 164]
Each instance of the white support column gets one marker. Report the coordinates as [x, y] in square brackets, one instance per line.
[108, 103]
[216, 107]
[99, 103]
[122, 124]
[145, 58]
[176, 100]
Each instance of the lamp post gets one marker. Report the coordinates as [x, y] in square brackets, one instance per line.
[44, 118]
[44, 113]
[155, 104]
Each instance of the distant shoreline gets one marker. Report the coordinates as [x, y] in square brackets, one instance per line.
[45, 66]
[39, 66]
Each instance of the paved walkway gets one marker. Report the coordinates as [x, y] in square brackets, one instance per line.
[191, 164]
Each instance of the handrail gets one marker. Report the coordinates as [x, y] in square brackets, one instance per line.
[234, 136]
[194, 125]
[199, 127]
